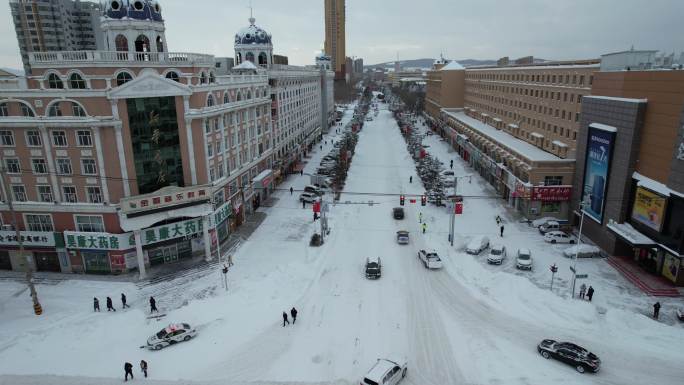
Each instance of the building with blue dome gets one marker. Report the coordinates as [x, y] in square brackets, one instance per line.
[254, 44]
[133, 26]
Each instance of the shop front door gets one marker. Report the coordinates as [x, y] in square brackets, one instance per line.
[164, 254]
[5, 263]
[47, 262]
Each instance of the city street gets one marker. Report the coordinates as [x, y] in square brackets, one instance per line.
[468, 323]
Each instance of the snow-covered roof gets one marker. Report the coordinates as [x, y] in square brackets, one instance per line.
[504, 139]
[245, 65]
[559, 143]
[629, 233]
[453, 65]
[603, 127]
[629, 100]
[655, 186]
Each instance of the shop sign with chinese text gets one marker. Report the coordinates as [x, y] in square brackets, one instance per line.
[551, 193]
[28, 238]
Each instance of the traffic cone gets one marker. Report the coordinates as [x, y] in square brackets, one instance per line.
[37, 308]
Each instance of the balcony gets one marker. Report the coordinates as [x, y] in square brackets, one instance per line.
[48, 59]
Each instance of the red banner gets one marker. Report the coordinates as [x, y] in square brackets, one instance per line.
[459, 208]
[552, 193]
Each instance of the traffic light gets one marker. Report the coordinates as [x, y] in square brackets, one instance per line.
[423, 200]
[401, 200]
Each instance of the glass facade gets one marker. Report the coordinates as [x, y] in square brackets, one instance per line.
[156, 145]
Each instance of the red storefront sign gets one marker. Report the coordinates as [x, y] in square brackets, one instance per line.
[551, 193]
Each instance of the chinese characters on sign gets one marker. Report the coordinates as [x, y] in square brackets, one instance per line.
[551, 193]
[28, 238]
[164, 198]
[99, 241]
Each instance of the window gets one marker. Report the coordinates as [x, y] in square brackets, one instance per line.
[69, 193]
[210, 100]
[173, 76]
[89, 166]
[54, 82]
[76, 82]
[551, 207]
[19, 193]
[212, 174]
[212, 78]
[45, 194]
[77, 110]
[219, 148]
[26, 111]
[39, 166]
[64, 166]
[203, 78]
[94, 194]
[12, 165]
[85, 138]
[225, 98]
[39, 222]
[90, 223]
[553, 180]
[59, 138]
[210, 150]
[4, 110]
[220, 170]
[54, 110]
[7, 138]
[123, 78]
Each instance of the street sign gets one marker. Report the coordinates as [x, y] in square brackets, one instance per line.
[581, 276]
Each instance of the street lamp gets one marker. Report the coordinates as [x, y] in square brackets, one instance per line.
[577, 247]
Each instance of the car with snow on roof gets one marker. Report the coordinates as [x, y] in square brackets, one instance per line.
[578, 357]
[172, 334]
[430, 259]
[386, 371]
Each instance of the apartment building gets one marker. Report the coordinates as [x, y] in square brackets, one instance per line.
[445, 87]
[335, 36]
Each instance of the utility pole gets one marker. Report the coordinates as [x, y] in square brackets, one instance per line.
[579, 242]
[37, 309]
[452, 223]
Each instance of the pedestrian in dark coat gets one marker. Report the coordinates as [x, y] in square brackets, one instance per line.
[291, 191]
[656, 310]
[301, 172]
[143, 367]
[590, 293]
[285, 320]
[502, 230]
[110, 306]
[293, 313]
[96, 304]
[153, 305]
[128, 368]
[411, 179]
[424, 227]
[303, 204]
[123, 300]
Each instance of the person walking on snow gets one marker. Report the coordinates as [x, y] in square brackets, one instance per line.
[285, 320]
[420, 217]
[110, 306]
[128, 368]
[590, 293]
[583, 290]
[293, 313]
[143, 367]
[411, 179]
[96, 304]
[291, 191]
[498, 220]
[230, 260]
[452, 164]
[123, 301]
[424, 227]
[502, 230]
[656, 310]
[153, 305]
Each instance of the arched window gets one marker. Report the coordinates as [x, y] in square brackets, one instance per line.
[210, 100]
[225, 98]
[77, 82]
[160, 44]
[54, 110]
[121, 43]
[263, 59]
[249, 94]
[212, 77]
[26, 110]
[173, 76]
[142, 44]
[238, 58]
[77, 110]
[4, 109]
[55, 82]
[249, 57]
[123, 78]
[239, 96]
[203, 78]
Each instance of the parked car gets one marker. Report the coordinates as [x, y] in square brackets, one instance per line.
[369, 119]
[373, 267]
[386, 372]
[398, 213]
[542, 221]
[477, 244]
[308, 197]
[582, 251]
[559, 237]
[497, 254]
[523, 261]
[548, 227]
[430, 259]
[170, 335]
[403, 237]
[578, 357]
[313, 190]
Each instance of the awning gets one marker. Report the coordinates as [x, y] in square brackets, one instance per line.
[630, 235]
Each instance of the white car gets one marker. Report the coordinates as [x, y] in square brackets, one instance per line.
[497, 254]
[170, 335]
[582, 251]
[559, 237]
[430, 259]
[386, 372]
[542, 221]
[549, 227]
[477, 244]
[524, 259]
[308, 197]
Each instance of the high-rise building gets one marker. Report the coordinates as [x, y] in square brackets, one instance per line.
[358, 66]
[335, 41]
[56, 25]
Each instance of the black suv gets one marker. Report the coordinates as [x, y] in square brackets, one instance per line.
[373, 268]
[398, 213]
[581, 359]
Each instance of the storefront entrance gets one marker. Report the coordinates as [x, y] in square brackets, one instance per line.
[170, 253]
[5, 263]
[96, 262]
[46, 261]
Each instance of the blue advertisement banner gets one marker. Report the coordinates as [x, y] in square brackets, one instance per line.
[596, 169]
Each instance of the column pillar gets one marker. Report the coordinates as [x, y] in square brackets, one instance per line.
[140, 254]
[207, 238]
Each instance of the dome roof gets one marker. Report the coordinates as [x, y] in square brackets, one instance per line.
[133, 9]
[252, 34]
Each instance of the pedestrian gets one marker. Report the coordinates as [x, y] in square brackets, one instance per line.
[230, 260]
[291, 190]
[128, 368]
[153, 305]
[424, 227]
[502, 230]
[420, 217]
[301, 172]
[143, 367]
[498, 220]
[303, 204]
[656, 310]
[590, 293]
[321, 146]
[285, 320]
[110, 306]
[583, 290]
[293, 313]
[452, 164]
[96, 304]
[123, 301]
[411, 179]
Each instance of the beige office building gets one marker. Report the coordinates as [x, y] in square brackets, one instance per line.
[335, 38]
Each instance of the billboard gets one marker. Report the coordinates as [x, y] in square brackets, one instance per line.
[649, 208]
[600, 142]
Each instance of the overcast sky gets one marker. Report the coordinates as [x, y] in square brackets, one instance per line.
[378, 30]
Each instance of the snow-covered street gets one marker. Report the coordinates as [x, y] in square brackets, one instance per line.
[468, 323]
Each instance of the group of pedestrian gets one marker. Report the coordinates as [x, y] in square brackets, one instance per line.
[110, 303]
[128, 369]
[293, 313]
[585, 293]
